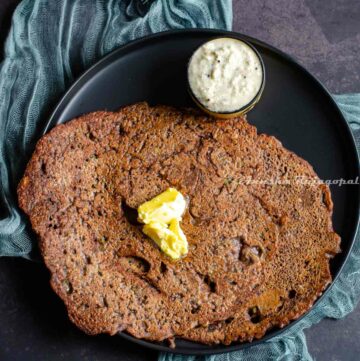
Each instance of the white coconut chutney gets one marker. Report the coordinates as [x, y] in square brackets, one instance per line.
[225, 75]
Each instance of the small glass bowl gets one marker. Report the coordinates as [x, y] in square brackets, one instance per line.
[244, 109]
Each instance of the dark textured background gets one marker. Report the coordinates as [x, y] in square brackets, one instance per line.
[324, 35]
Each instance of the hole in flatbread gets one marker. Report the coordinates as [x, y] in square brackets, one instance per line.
[130, 213]
[251, 254]
[212, 327]
[210, 283]
[92, 136]
[326, 198]
[195, 308]
[229, 320]
[135, 264]
[254, 313]
[43, 167]
[163, 267]
[122, 130]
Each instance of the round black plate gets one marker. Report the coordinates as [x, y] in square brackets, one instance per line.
[294, 107]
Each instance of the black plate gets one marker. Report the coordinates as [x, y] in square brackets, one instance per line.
[294, 107]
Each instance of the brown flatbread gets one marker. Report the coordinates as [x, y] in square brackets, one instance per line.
[258, 250]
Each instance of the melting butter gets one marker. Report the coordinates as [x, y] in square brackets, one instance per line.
[161, 216]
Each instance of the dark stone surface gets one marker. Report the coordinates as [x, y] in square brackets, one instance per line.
[335, 340]
[325, 37]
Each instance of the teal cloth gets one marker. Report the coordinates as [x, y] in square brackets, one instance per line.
[49, 44]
